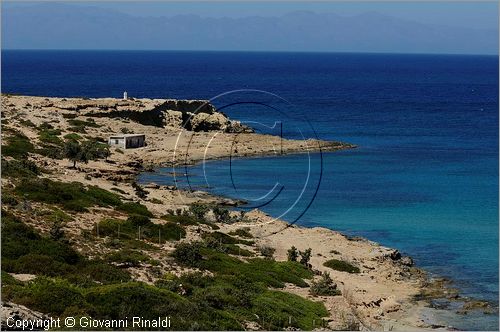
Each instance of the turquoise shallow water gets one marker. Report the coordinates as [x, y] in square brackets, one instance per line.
[424, 178]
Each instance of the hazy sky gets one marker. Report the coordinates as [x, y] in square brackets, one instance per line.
[397, 27]
[473, 14]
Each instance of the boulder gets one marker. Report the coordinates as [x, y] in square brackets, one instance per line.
[172, 118]
[406, 261]
[208, 122]
[18, 313]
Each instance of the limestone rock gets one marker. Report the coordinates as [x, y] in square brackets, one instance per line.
[172, 118]
[208, 122]
[18, 312]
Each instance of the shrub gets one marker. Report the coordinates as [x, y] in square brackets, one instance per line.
[127, 257]
[56, 230]
[138, 220]
[267, 252]
[278, 307]
[17, 169]
[339, 265]
[102, 272]
[128, 230]
[18, 146]
[139, 191]
[324, 287]
[155, 201]
[27, 123]
[73, 136]
[49, 296]
[292, 254]
[9, 199]
[69, 115]
[51, 151]
[242, 232]
[198, 210]
[104, 197]
[226, 239]
[83, 124]
[71, 196]
[188, 253]
[221, 214]
[135, 208]
[305, 256]
[50, 136]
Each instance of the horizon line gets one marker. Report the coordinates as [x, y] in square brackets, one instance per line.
[245, 51]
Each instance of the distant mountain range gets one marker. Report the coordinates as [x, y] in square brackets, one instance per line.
[62, 26]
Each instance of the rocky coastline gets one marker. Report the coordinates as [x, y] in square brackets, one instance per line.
[385, 292]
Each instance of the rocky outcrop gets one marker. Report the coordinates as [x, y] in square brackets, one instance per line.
[15, 312]
[195, 115]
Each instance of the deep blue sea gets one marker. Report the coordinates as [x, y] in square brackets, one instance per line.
[424, 178]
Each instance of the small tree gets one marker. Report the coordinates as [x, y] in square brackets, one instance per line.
[292, 254]
[221, 214]
[324, 287]
[198, 210]
[72, 151]
[84, 152]
[305, 256]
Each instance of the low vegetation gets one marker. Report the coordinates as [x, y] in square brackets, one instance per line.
[129, 229]
[324, 287]
[18, 145]
[343, 266]
[234, 287]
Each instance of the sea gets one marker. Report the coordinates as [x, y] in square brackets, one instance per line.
[423, 178]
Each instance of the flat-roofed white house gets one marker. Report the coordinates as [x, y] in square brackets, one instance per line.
[127, 141]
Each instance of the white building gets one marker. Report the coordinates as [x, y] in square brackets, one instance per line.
[125, 95]
[127, 141]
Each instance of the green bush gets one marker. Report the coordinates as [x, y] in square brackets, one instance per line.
[221, 214]
[188, 253]
[278, 308]
[292, 254]
[339, 265]
[267, 252]
[242, 232]
[102, 272]
[9, 199]
[50, 136]
[199, 210]
[268, 272]
[135, 208]
[70, 195]
[48, 295]
[138, 220]
[324, 287]
[50, 151]
[18, 146]
[305, 256]
[19, 168]
[127, 257]
[73, 136]
[226, 239]
[128, 230]
[27, 123]
[82, 124]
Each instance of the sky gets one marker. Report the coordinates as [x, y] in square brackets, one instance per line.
[469, 14]
[458, 27]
